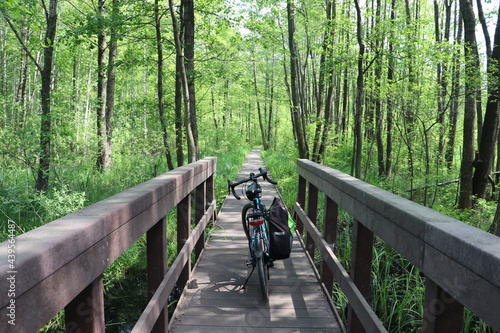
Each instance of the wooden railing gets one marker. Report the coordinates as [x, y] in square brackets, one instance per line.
[461, 263]
[60, 265]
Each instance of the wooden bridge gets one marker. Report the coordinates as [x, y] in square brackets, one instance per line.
[60, 265]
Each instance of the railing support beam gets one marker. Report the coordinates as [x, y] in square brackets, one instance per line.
[157, 267]
[183, 231]
[362, 243]
[85, 313]
[312, 212]
[442, 313]
[301, 200]
[200, 206]
[330, 234]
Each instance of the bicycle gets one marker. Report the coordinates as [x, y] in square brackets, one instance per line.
[254, 218]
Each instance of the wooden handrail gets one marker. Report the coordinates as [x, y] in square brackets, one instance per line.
[461, 263]
[60, 265]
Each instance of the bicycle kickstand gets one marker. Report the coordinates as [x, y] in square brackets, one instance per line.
[248, 278]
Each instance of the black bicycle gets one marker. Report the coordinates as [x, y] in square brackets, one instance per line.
[254, 217]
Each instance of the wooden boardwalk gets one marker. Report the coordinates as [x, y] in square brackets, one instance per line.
[214, 300]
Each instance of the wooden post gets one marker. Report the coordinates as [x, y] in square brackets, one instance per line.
[157, 267]
[85, 313]
[312, 212]
[442, 313]
[200, 206]
[210, 191]
[330, 234]
[183, 230]
[362, 243]
[301, 200]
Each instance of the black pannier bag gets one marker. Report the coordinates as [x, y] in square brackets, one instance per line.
[280, 236]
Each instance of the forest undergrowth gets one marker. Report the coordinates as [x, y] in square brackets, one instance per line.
[397, 287]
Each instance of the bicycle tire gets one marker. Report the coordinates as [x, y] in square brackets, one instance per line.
[244, 220]
[261, 266]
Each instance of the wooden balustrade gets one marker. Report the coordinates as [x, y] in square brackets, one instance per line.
[461, 263]
[60, 265]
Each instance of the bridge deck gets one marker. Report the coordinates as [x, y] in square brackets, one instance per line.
[214, 300]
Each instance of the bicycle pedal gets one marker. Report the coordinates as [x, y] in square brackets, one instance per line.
[249, 263]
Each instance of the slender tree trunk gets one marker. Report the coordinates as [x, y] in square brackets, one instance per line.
[409, 113]
[271, 101]
[489, 137]
[23, 80]
[110, 91]
[471, 87]
[216, 122]
[379, 117]
[358, 121]
[101, 89]
[455, 91]
[179, 123]
[3, 64]
[188, 22]
[442, 38]
[159, 87]
[329, 81]
[185, 88]
[42, 181]
[259, 112]
[295, 86]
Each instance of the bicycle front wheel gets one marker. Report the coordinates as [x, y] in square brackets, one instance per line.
[261, 266]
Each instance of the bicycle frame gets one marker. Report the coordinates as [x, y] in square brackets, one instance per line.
[260, 227]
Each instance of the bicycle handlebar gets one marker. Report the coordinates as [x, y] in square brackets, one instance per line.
[253, 177]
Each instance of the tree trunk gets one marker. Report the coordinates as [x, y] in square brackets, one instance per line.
[270, 114]
[259, 112]
[329, 81]
[101, 162]
[216, 123]
[472, 72]
[358, 121]
[179, 123]
[159, 88]
[3, 64]
[455, 91]
[377, 94]
[185, 88]
[110, 91]
[42, 181]
[489, 138]
[296, 110]
[188, 22]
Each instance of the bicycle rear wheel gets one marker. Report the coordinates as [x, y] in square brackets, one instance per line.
[261, 266]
